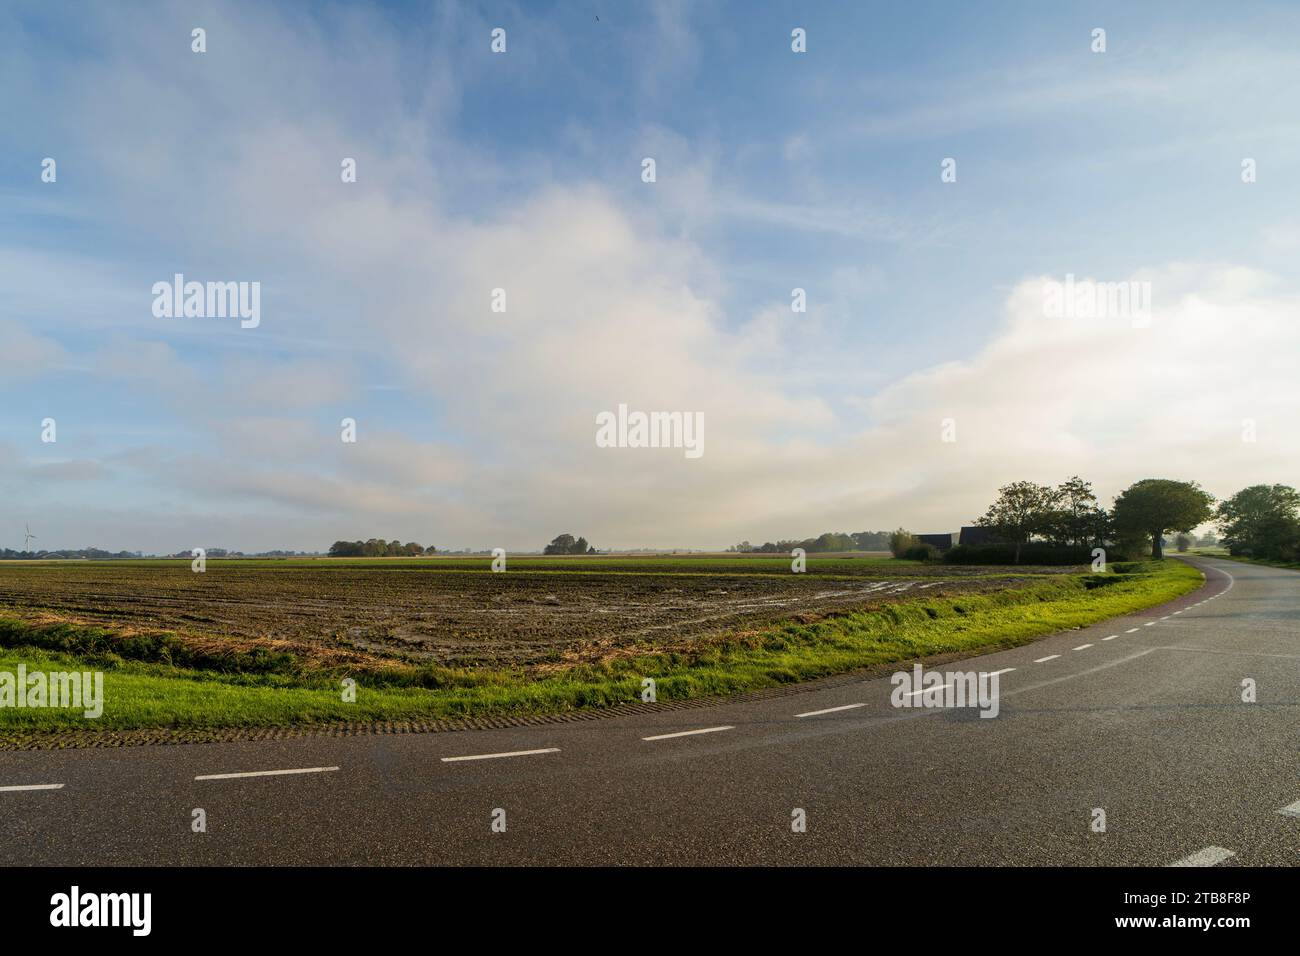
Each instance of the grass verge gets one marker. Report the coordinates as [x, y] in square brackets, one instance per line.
[149, 692]
[1264, 562]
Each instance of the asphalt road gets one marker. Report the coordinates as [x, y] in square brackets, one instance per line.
[1141, 717]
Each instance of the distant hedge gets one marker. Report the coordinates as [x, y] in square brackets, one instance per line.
[921, 551]
[1035, 552]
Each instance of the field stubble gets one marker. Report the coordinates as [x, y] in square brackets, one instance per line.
[457, 612]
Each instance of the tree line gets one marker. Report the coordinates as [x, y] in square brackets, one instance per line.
[378, 548]
[94, 554]
[828, 541]
[1069, 515]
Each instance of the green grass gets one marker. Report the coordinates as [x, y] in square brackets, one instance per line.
[1265, 562]
[152, 693]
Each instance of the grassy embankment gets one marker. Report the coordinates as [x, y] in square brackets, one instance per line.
[1222, 553]
[144, 687]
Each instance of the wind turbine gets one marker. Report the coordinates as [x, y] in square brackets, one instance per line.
[28, 538]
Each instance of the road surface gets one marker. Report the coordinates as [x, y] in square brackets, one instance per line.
[1141, 717]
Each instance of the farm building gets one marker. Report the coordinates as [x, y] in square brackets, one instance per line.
[941, 541]
[974, 534]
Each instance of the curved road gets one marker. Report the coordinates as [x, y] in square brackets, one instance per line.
[1141, 717]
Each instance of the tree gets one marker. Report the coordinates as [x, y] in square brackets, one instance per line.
[1078, 519]
[560, 544]
[1261, 521]
[567, 544]
[1156, 505]
[1023, 509]
[1182, 542]
[900, 541]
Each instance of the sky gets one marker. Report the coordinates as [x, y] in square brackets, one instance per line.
[925, 372]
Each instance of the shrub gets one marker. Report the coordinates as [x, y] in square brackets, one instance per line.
[900, 541]
[1034, 552]
[920, 552]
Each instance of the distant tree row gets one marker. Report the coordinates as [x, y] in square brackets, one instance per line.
[828, 541]
[378, 548]
[568, 544]
[1068, 515]
[96, 554]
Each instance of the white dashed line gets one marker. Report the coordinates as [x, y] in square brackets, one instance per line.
[829, 710]
[688, 733]
[1111, 638]
[263, 773]
[32, 786]
[1210, 856]
[1292, 811]
[913, 693]
[1148, 623]
[1005, 670]
[1130, 630]
[508, 753]
[1049, 657]
[1083, 647]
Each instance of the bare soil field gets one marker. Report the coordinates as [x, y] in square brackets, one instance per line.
[456, 612]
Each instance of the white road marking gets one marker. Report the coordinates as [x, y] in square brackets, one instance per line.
[913, 693]
[688, 733]
[1005, 670]
[508, 753]
[1148, 623]
[1210, 856]
[829, 710]
[1165, 618]
[1111, 638]
[1130, 630]
[1049, 657]
[32, 786]
[263, 773]
[1083, 647]
[1292, 811]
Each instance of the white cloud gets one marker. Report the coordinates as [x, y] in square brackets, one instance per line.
[608, 303]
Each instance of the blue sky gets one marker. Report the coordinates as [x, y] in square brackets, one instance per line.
[521, 170]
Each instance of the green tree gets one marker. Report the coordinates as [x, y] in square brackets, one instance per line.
[900, 541]
[560, 544]
[1261, 521]
[1078, 520]
[1022, 510]
[1153, 506]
